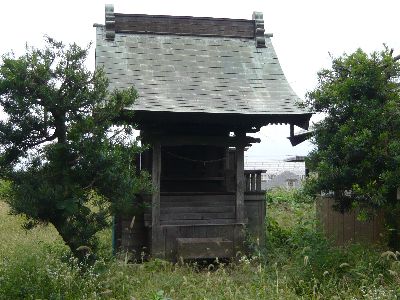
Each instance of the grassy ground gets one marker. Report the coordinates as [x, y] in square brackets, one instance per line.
[298, 264]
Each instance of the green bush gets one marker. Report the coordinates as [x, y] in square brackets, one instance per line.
[292, 196]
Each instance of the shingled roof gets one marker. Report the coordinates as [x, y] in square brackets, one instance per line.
[197, 65]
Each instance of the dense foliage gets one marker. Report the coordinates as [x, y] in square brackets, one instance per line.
[357, 154]
[66, 161]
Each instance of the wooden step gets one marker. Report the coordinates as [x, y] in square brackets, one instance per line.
[194, 248]
[198, 209]
[215, 222]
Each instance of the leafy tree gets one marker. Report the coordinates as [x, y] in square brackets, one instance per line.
[357, 154]
[64, 146]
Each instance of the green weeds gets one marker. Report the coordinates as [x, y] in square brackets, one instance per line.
[297, 263]
[314, 268]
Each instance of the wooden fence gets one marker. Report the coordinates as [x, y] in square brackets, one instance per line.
[344, 228]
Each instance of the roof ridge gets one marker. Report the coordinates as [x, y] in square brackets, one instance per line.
[184, 25]
[181, 17]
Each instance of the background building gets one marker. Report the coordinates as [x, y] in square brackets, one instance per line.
[287, 173]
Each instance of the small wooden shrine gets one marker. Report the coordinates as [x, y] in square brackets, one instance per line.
[203, 84]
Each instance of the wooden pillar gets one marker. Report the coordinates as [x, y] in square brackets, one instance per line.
[226, 170]
[240, 183]
[253, 181]
[157, 245]
[258, 181]
[238, 234]
[247, 178]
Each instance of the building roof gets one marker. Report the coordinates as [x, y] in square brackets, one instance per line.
[197, 65]
[297, 158]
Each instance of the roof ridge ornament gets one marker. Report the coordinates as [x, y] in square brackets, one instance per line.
[110, 22]
[259, 29]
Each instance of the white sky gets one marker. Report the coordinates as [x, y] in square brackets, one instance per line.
[305, 32]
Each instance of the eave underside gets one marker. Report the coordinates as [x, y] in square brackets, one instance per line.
[225, 121]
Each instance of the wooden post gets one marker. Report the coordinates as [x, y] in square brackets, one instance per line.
[253, 181]
[258, 182]
[157, 247]
[226, 170]
[247, 176]
[240, 183]
[240, 208]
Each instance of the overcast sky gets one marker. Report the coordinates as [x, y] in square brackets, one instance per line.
[305, 32]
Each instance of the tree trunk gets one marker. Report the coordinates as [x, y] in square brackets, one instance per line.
[61, 129]
[76, 240]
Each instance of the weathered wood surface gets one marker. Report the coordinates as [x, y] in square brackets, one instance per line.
[195, 216]
[255, 205]
[194, 248]
[155, 176]
[253, 180]
[259, 29]
[258, 182]
[198, 209]
[192, 209]
[174, 214]
[248, 182]
[220, 231]
[157, 249]
[215, 178]
[134, 237]
[344, 228]
[200, 222]
[240, 184]
[206, 203]
[192, 168]
[125, 23]
[173, 195]
[170, 230]
[194, 198]
[179, 140]
[110, 21]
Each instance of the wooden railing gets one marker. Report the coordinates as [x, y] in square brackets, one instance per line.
[253, 180]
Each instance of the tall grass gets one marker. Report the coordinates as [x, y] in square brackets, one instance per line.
[298, 263]
[315, 268]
